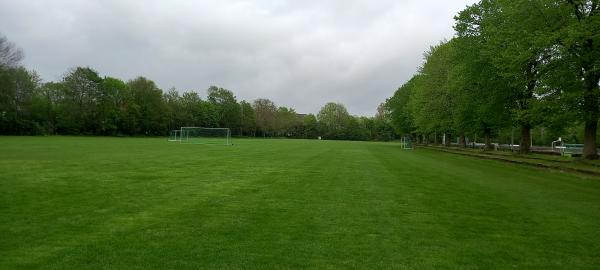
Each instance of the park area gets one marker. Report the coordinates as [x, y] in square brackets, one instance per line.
[146, 203]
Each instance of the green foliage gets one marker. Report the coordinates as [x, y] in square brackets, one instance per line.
[310, 127]
[150, 108]
[481, 100]
[432, 102]
[334, 118]
[531, 64]
[287, 122]
[248, 119]
[226, 107]
[266, 116]
[85, 103]
[18, 88]
[398, 106]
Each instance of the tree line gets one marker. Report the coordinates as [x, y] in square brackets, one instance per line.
[512, 65]
[85, 103]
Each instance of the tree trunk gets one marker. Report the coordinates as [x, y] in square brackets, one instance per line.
[448, 139]
[435, 138]
[591, 109]
[462, 141]
[524, 146]
[488, 140]
[589, 140]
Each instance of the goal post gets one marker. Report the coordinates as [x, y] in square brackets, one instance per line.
[406, 142]
[175, 135]
[202, 135]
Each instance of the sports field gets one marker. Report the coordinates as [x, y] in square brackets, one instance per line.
[143, 203]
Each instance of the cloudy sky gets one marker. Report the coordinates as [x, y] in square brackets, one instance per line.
[300, 54]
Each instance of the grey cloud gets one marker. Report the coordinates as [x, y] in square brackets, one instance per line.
[298, 53]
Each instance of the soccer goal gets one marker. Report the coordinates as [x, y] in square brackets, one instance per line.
[201, 135]
[175, 135]
[406, 142]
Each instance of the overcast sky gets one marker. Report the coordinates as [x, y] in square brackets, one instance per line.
[300, 54]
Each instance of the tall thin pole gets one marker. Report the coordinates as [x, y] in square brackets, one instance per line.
[531, 138]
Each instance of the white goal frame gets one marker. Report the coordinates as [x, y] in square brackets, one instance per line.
[175, 135]
[185, 139]
[406, 143]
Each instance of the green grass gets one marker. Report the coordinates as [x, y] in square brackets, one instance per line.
[573, 164]
[137, 203]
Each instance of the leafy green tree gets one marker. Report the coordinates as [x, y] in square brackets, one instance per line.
[481, 101]
[18, 88]
[174, 109]
[401, 117]
[48, 98]
[108, 114]
[334, 119]
[129, 110]
[266, 115]
[511, 32]
[575, 60]
[76, 115]
[354, 129]
[310, 127]
[432, 102]
[228, 109]
[192, 110]
[248, 119]
[151, 109]
[287, 122]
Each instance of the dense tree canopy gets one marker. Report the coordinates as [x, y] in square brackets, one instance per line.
[531, 65]
[85, 103]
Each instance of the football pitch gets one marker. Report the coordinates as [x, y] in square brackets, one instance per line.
[145, 203]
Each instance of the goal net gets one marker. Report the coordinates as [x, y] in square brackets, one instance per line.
[201, 135]
[175, 135]
[406, 143]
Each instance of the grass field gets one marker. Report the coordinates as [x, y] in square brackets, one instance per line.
[138, 203]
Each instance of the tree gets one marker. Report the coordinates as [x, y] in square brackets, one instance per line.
[401, 117]
[10, 55]
[517, 36]
[355, 129]
[577, 57]
[151, 109]
[228, 110]
[266, 115]
[18, 87]
[432, 102]
[47, 100]
[175, 109]
[248, 118]
[334, 118]
[191, 110]
[287, 121]
[82, 88]
[481, 103]
[109, 100]
[310, 127]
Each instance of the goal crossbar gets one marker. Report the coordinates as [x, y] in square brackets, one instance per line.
[202, 135]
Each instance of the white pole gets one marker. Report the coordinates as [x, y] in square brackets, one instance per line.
[530, 138]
